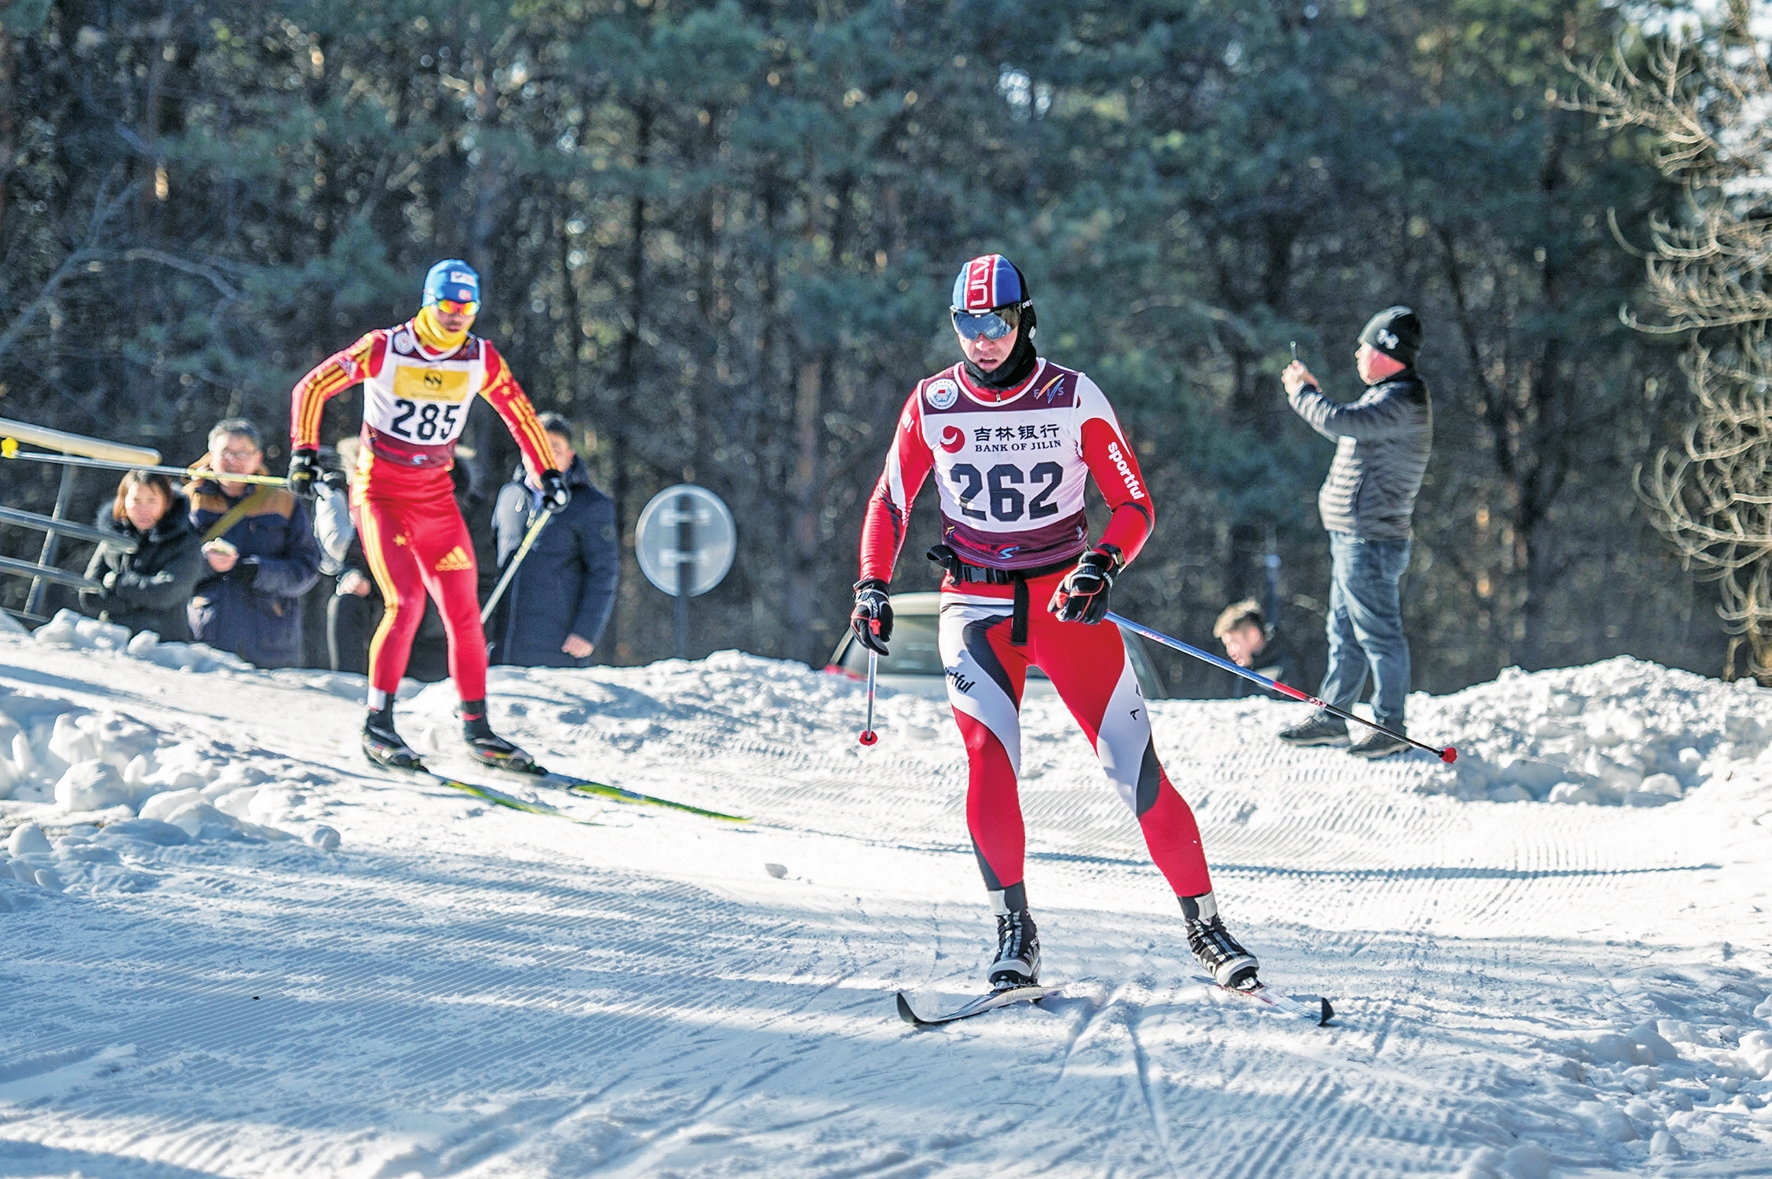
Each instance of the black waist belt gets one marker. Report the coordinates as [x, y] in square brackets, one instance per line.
[960, 571]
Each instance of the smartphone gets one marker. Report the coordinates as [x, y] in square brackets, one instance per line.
[1295, 352]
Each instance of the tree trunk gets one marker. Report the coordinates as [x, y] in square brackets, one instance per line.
[627, 370]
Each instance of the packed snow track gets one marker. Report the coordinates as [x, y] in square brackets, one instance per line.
[235, 949]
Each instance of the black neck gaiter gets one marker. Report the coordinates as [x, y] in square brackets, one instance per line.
[1011, 372]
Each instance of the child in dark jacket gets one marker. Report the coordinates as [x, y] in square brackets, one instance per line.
[146, 589]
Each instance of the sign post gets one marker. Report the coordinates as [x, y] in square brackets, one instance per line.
[685, 541]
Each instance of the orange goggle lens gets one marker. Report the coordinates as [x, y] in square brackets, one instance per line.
[452, 307]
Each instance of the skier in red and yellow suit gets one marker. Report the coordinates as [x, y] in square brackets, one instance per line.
[419, 379]
[1012, 440]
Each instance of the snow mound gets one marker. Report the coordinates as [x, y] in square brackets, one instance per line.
[1618, 733]
[73, 631]
[97, 777]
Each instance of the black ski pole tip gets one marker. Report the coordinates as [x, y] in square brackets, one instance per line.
[1448, 755]
[1327, 1015]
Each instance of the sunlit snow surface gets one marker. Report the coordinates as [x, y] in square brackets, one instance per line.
[232, 948]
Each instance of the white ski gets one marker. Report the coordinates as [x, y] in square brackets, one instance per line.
[1274, 1001]
[998, 998]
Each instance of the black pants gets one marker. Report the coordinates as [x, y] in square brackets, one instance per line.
[351, 623]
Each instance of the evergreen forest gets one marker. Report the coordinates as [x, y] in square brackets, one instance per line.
[720, 237]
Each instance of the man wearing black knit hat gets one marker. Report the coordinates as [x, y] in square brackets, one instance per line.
[1381, 450]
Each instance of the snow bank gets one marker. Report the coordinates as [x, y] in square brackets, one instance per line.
[109, 777]
[1621, 732]
[68, 629]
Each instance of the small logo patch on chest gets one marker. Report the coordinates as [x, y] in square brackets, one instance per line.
[942, 393]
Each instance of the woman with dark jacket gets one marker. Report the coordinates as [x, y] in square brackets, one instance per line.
[554, 610]
[146, 589]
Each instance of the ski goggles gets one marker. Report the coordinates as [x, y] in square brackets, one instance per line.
[456, 307]
[992, 325]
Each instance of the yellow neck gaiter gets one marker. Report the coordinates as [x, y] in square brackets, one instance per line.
[432, 335]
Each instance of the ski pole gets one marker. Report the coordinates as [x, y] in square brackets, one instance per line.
[868, 736]
[516, 560]
[1447, 755]
[12, 452]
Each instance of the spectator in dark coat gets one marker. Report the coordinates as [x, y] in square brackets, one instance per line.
[1250, 642]
[259, 552]
[149, 588]
[553, 612]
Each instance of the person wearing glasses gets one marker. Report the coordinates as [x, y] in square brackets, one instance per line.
[419, 378]
[259, 553]
[1012, 441]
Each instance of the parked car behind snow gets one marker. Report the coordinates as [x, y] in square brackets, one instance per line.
[915, 662]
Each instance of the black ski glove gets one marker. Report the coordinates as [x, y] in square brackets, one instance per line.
[1083, 594]
[871, 620]
[304, 468]
[555, 495]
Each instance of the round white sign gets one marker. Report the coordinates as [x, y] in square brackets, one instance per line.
[683, 526]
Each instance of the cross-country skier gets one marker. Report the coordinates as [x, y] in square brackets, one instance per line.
[419, 379]
[1012, 440]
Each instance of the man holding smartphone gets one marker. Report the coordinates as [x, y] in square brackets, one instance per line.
[419, 378]
[1382, 442]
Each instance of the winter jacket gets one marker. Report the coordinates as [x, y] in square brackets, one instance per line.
[566, 585]
[1276, 661]
[1381, 452]
[149, 588]
[254, 609]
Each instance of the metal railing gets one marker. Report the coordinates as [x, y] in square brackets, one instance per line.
[95, 452]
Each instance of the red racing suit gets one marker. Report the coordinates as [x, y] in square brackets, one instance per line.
[1011, 467]
[415, 406]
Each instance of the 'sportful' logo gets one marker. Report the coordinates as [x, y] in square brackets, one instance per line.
[1387, 338]
[942, 394]
[1125, 468]
[952, 439]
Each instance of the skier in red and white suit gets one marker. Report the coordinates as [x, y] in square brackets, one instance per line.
[419, 379]
[1012, 440]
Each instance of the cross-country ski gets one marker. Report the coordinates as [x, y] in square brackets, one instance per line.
[990, 1001]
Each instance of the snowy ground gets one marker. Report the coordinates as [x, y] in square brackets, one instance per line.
[231, 948]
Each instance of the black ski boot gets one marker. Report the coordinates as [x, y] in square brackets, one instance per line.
[1018, 951]
[1229, 964]
[487, 747]
[383, 745]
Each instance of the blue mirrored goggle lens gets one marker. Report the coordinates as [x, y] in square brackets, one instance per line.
[992, 325]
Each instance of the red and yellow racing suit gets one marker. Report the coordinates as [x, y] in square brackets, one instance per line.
[418, 384]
